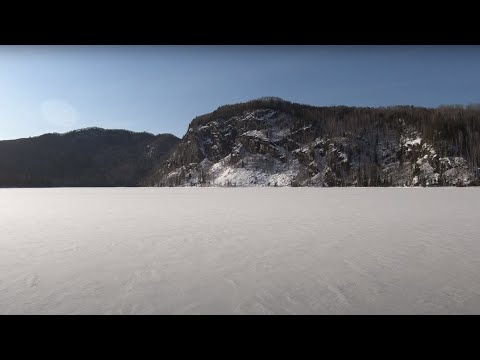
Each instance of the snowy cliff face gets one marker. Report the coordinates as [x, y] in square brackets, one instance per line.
[271, 144]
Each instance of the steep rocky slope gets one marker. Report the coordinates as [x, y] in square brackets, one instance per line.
[271, 142]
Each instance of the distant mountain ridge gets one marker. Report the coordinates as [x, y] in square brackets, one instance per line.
[85, 157]
[263, 142]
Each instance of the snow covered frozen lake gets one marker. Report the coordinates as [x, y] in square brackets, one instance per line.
[240, 251]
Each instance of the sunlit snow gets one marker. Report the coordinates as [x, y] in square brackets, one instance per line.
[240, 251]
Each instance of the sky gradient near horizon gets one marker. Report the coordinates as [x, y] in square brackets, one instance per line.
[160, 89]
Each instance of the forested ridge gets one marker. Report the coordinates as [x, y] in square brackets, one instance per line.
[303, 145]
[87, 157]
[264, 142]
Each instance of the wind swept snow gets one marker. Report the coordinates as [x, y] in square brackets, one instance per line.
[240, 251]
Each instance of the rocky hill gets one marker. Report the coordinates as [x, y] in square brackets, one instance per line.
[265, 142]
[272, 142]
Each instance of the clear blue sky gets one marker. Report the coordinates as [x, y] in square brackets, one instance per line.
[162, 88]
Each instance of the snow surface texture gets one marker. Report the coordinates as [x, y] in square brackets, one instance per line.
[240, 251]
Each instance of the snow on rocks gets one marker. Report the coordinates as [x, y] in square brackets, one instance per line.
[259, 134]
[414, 142]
